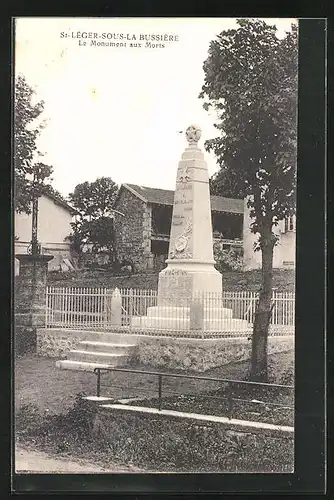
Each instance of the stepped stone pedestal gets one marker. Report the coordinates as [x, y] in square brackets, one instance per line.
[190, 279]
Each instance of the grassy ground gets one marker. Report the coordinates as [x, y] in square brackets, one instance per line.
[50, 418]
[283, 280]
[38, 381]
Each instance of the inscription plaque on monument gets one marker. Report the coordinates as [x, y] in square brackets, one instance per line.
[175, 285]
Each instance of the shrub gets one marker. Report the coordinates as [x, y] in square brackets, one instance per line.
[227, 260]
[59, 432]
[27, 419]
[288, 375]
[161, 444]
[25, 340]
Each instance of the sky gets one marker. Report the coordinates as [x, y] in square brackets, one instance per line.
[117, 111]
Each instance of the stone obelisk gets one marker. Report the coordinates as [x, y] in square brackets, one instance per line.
[190, 264]
[190, 288]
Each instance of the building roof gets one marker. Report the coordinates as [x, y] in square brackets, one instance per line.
[60, 202]
[166, 197]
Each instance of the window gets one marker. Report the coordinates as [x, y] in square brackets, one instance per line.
[290, 224]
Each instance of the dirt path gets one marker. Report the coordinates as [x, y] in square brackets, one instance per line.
[40, 462]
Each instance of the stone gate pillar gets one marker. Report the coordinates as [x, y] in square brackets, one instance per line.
[29, 301]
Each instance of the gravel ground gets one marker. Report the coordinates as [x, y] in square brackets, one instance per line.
[32, 461]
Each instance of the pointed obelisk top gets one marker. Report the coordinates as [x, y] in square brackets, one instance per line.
[193, 134]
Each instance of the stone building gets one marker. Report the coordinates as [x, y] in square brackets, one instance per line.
[284, 252]
[142, 236]
[54, 226]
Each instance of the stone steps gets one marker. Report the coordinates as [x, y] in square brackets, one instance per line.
[69, 364]
[111, 338]
[110, 358]
[108, 347]
[104, 350]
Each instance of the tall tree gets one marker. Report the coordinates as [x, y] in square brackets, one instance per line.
[28, 175]
[94, 201]
[251, 82]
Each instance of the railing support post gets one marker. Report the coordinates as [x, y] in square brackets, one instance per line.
[160, 391]
[229, 402]
[98, 383]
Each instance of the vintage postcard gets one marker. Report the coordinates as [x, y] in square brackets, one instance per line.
[155, 167]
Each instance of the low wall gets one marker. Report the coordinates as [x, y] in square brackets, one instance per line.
[57, 342]
[162, 443]
[201, 355]
[165, 352]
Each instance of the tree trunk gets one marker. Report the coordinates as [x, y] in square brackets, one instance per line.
[259, 368]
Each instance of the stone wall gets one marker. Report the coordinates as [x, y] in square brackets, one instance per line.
[57, 342]
[132, 232]
[201, 355]
[147, 232]
[195, 355]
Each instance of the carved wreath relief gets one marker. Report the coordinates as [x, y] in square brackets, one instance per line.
[181, 243]
[193, 134]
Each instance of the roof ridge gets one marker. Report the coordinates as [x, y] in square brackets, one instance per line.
[149, 187]
[173, 190]
[165, 197]
[59, 201]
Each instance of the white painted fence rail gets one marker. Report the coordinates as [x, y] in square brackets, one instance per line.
[91, 308]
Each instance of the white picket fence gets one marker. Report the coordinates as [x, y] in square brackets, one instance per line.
[91, 308]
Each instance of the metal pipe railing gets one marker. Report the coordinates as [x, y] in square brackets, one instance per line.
[229, 382]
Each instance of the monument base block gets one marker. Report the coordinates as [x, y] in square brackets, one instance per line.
[190, 298]
[183, 280]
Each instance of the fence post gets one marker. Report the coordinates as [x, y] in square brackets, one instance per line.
[116, 307]
[130, 306]
[47, 295]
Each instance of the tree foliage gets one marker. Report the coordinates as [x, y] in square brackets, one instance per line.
[29, 176]
[94, 225]
[48, 188]
[95, 199]
[251, 82]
